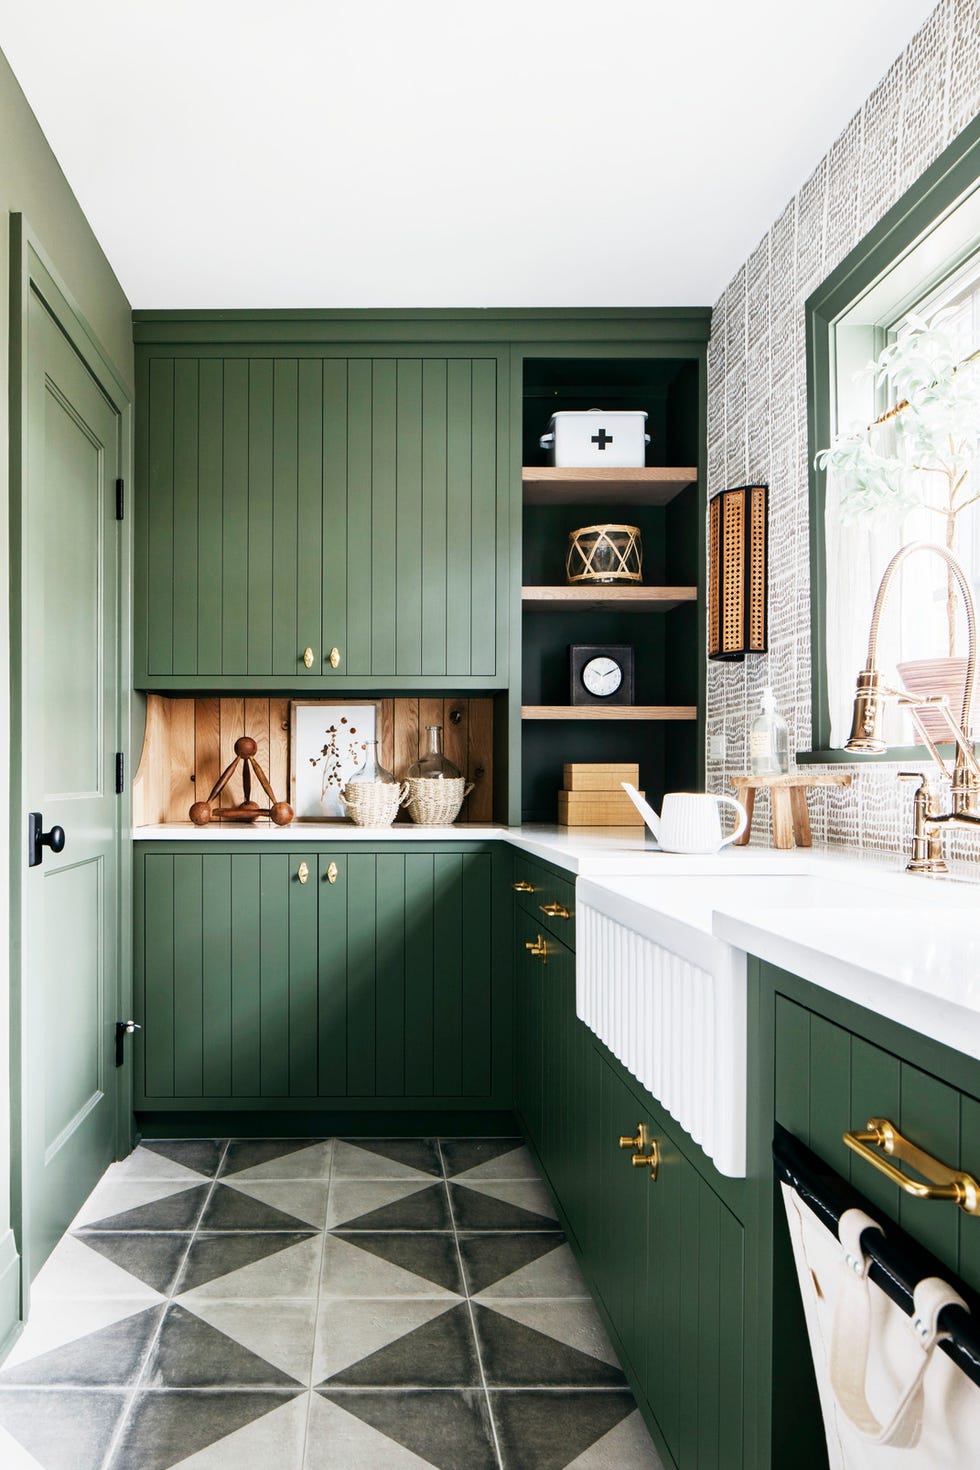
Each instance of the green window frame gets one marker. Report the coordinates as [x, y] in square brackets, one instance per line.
[911, 249]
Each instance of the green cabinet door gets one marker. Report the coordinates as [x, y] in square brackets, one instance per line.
[342, 977]
[345, 504]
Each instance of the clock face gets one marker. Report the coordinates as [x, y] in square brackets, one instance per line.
[602, 677]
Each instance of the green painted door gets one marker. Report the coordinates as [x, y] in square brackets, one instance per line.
[69, 725]
[321, 521]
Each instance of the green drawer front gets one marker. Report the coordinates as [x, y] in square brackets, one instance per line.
[547, 888]
[829, 1080]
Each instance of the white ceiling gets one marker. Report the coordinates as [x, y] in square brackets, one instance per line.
[306, 153]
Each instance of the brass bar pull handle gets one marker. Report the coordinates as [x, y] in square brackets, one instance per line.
[538, 947]
[334, 657]
[303, 872]
[881, 1141]
[522, 886]
[555, 910]
[308, 657]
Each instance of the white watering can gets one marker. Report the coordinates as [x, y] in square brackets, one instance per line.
[690, 820]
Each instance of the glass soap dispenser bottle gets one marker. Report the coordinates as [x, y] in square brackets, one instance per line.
[433, 765]
[769, 739]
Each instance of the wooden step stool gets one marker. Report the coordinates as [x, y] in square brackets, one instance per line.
[787, 800]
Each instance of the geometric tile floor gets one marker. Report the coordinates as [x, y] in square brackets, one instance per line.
[368, 1304]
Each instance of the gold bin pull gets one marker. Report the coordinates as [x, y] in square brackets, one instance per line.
[881, 1138]
[555, 910]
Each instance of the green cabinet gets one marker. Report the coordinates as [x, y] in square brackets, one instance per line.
[352, 504]
[270, 978]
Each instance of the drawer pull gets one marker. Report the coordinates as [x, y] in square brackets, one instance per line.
[335, 657]
[639, 1142]
[881, 1138]
[303, 872]
[522, 886]
[308, 657]
[555, 910]
[538, 947]
[332, 871]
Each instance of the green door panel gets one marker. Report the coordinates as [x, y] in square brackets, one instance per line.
[379, 976]
[288, 503]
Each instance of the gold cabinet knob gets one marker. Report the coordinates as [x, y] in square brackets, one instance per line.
[308, 657]
[522, 886]
[303, 872]
[647, 1149]
[555, 910]
[640, 1141]
[334, 657]
[332, 872]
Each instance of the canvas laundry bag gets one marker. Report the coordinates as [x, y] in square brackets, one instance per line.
[889, 1398]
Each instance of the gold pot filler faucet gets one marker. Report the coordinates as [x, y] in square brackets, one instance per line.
[870, 697]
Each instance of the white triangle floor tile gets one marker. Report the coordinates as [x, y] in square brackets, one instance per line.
[526, 1194]
[13, 1455]
[347, 1331]
[52, 1324]
[518, 1164]
[145, 1163]
[114, 1196]
[280, 1332]
[350, 1198]
[627, 1446]
[553, 1275]
[352, 1162]
[339, 1441]
[576, 1324]
[274, 1442]
[349, 1271]
[74, 1270]
[305, 1200]
[292, 1272]
[314, 1162]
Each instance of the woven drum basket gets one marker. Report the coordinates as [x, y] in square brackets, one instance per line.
[434, 801]
[373, 803]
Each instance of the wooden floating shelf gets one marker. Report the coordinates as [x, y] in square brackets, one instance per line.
[597, 599]
[654, 486]
[609, 712]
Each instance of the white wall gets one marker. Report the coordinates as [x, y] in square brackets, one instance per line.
[757, 402]
[32, 183]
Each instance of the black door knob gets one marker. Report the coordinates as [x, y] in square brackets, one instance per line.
[37, 839]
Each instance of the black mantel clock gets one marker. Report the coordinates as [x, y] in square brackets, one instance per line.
[600, 673]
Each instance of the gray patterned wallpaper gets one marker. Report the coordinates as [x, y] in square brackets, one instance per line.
[757, 429]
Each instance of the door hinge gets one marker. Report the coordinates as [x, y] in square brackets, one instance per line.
[120, 773]
[124, 1029]
[120, 499]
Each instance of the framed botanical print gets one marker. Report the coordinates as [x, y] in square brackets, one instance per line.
[327, 744]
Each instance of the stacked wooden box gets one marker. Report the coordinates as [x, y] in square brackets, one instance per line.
[593, 796]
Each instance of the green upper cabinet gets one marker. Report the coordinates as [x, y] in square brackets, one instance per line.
[296, 505]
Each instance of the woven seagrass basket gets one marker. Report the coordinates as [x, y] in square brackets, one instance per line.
[373, 803]
[434, 801]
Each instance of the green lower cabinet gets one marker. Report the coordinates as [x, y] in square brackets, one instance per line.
[270, 979]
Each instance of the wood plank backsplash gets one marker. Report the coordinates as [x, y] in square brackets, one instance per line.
[188, 743]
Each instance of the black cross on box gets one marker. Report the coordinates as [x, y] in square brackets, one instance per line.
[602, 438]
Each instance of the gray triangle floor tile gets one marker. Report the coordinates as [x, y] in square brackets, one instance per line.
[536, 1429]
[439, 1354]
[627, 1446]
[278, 1158]
[231, 1209]
[62, 1431]
[273, 1442]
[517, 1356]
[203, 1155]
[477, 1210]
[154, 1259]
[178, 1211]
[416, 1209]
[279, 1332]
[225, 1257]
[350, 1330]
[339, 1440]
[489, 1259]
[462, 1154]
[164, 1429]
[446, 1430]
[191, 1354]
[431, 1258]
[110, 1357]
[577, 1324]
[411, 1153]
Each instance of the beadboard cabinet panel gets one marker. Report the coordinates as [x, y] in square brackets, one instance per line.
[342, 502]
[380, 977]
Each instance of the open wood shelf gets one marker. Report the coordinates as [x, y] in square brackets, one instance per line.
[605, 599]
[652, 486]
[608, 712]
